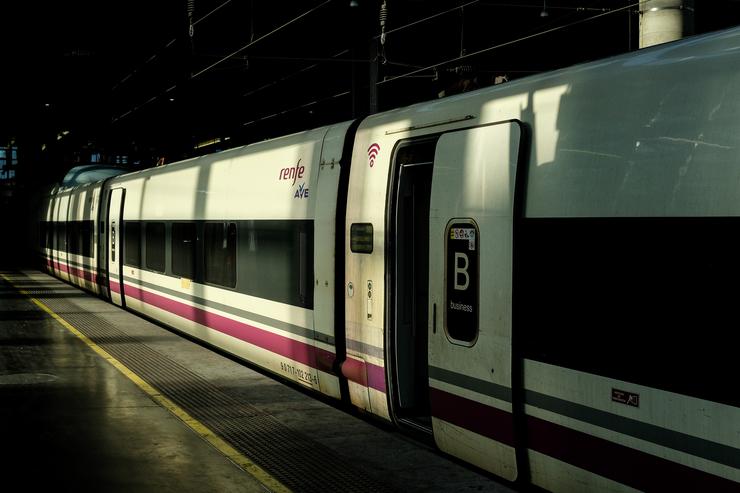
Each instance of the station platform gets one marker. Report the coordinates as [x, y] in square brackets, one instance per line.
[95, 398]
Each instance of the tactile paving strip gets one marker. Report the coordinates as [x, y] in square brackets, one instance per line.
[298, 462]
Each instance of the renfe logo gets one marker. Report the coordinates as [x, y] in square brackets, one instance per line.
[292, 173]
[372, 153]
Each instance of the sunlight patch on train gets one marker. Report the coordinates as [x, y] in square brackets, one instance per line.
[546, 110]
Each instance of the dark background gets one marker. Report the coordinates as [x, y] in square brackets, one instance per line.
[125, 83]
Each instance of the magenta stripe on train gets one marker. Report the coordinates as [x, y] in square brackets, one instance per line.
[623, 464]
[81, 273]
[374, 376]
[479, 418]
[626, 465]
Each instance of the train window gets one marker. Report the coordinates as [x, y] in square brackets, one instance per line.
[61, 235]
[183, 249]
[461, 286]
[43, 228]
[155, 246]
[86, 238]
[73, 237]
[132, 245]
[276, 261]
[220, 253]
[361, 238]
[651, 301]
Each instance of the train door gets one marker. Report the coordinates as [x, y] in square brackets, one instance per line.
[409, 269]
[470, 294]
[63, 267]
[115, 244]
[56, 244]
[101, 246]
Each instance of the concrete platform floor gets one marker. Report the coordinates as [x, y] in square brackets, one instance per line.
[71, 421]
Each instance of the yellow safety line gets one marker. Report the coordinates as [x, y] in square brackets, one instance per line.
[230, 452]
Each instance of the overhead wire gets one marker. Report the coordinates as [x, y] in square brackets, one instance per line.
[394, 78]
[446, 62]
[399, 28]
[506, 43]
[305, 69]
[227, 57]
[292, 21]
[167, 45]
[433, 16]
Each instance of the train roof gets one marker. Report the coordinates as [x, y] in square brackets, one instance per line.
[458, 106]
[90, 173]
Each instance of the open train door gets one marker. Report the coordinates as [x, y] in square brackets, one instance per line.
[115, 250]
[470, 287]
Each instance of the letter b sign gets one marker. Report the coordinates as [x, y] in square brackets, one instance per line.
[461, 286]
[461, 271]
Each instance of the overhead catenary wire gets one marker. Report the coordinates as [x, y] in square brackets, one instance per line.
[168, 44]
[305, 69]
[394, 78]
[446, 62]
[399, 28]
[277, 29]
[506, 43]
[293, 74]
[227, 57]
[433, 16]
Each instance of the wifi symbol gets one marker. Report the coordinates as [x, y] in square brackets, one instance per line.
[372, 153]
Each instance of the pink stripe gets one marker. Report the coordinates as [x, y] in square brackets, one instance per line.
[295, 350]
[365, 374]
[84, 274]
[472, 415]
[376, 377]
[81, 273]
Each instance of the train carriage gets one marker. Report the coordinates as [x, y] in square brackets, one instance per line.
[226, 248]
[70, 247]
[539, 275]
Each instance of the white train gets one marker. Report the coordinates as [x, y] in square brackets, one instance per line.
[543, 275]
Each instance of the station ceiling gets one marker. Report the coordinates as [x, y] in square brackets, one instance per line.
[159, 78]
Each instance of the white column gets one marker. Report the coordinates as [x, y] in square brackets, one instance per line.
[665, 20]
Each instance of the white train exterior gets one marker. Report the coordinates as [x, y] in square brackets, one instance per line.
[540, 274]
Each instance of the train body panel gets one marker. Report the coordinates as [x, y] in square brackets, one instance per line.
[661, 440]
[541, 274]
[71, 251]
[265, 196]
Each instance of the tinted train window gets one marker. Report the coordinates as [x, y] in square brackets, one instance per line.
[220, 253]
[43, 232]
[60, 230]
[652, 301]
[183, 249]
[155, 246]
[73, 237]
[132, 245]
[86, 238]
[361, 238]
[276, 261]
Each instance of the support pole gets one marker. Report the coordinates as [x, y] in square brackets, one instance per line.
[662, 21]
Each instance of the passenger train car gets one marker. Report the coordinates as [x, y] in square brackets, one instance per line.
[542, 275]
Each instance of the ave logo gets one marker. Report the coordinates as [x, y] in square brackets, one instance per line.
[301, 192]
